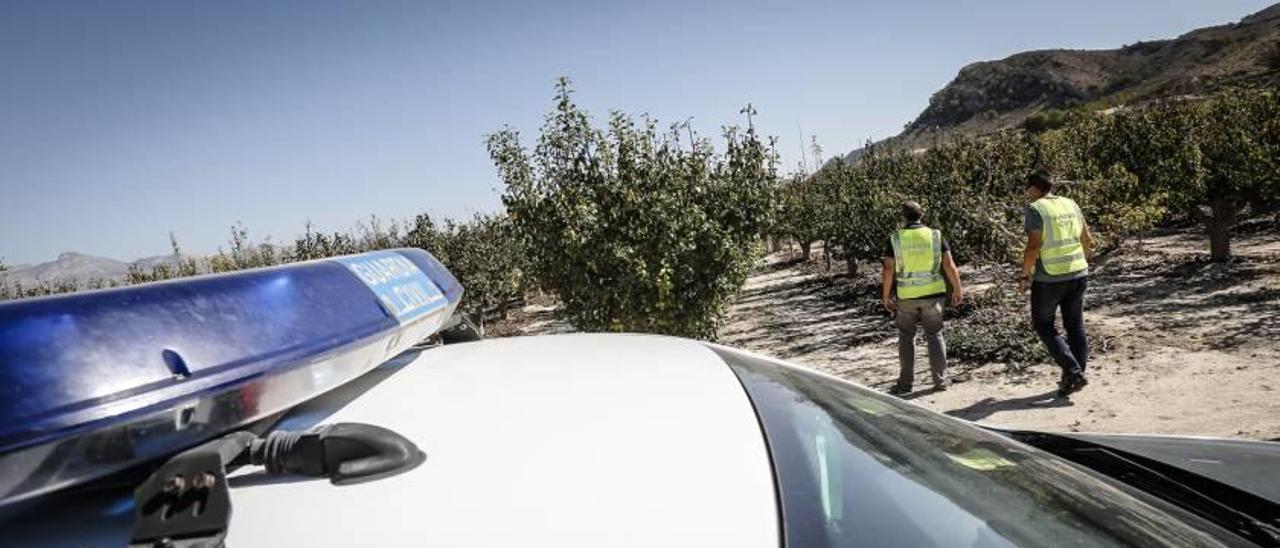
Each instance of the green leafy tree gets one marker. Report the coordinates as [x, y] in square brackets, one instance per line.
[965, 186]
[484, 253]
[1044, 121]
[1209, 160]
[633, 229]
[801, 211]
[1240, 150]
[318, 245]
[244, 253]
[864, 200]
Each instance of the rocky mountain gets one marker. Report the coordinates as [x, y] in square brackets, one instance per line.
[993, 95]
[77, 268]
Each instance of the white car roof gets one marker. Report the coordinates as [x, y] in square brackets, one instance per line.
[575, 440]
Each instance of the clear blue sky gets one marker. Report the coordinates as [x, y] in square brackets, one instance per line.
[123, 120]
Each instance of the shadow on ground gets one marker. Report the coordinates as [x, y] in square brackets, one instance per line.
[1230, 303]
[817, 311]
[986, 407]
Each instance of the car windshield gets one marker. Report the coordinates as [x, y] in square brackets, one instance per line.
[855, 468]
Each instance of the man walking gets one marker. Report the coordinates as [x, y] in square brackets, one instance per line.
[914, 262]
[1056, 267]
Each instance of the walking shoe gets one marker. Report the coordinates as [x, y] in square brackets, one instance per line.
[941, 386]
[1079, 382]
[1070, 384]
[1064, 386]
[899, 390]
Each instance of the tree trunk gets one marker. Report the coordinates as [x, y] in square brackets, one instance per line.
[826, 252]
[805, 248]
[1224, 212]
[852, 264]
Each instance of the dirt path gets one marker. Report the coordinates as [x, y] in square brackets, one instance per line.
[1193, 347]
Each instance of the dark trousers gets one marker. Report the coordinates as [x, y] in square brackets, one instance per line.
[1071, 353]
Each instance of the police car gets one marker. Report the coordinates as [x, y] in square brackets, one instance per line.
[293, 406]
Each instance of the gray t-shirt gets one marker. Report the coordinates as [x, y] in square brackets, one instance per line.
[1032, 222]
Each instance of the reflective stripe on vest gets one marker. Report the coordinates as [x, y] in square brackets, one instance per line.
[1062, 223]
[917, 258]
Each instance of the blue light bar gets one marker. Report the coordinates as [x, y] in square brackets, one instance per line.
[91, 383]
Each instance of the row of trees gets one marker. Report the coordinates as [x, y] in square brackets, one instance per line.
[1204, 160]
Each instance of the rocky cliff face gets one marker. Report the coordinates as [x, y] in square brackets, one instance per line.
[1039, 79]
[993, 95]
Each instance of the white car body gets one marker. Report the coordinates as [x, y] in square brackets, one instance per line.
[635, 440]
[583, 440]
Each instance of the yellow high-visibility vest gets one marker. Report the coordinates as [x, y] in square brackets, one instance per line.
[917, 258]
[1062, 224]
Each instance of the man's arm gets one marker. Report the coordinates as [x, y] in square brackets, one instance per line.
[1029, 256]
[886, 286]
[953, 277]
[1086, 240]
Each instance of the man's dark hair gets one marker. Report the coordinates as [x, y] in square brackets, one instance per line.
[912, 212]
[1041, 180]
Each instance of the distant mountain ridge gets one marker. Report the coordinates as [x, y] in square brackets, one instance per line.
[76, 267]
[994, 95]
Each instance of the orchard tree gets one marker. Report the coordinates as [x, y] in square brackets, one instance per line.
[1117, 203]
[801, 211]
[1240, 152]
[631, 227]
[966, 196]
[1208, 159]
[864, 207]
[318, 245]
[487, 258]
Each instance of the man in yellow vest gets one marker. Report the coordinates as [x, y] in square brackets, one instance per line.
[914, 264]
[1056, 267]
